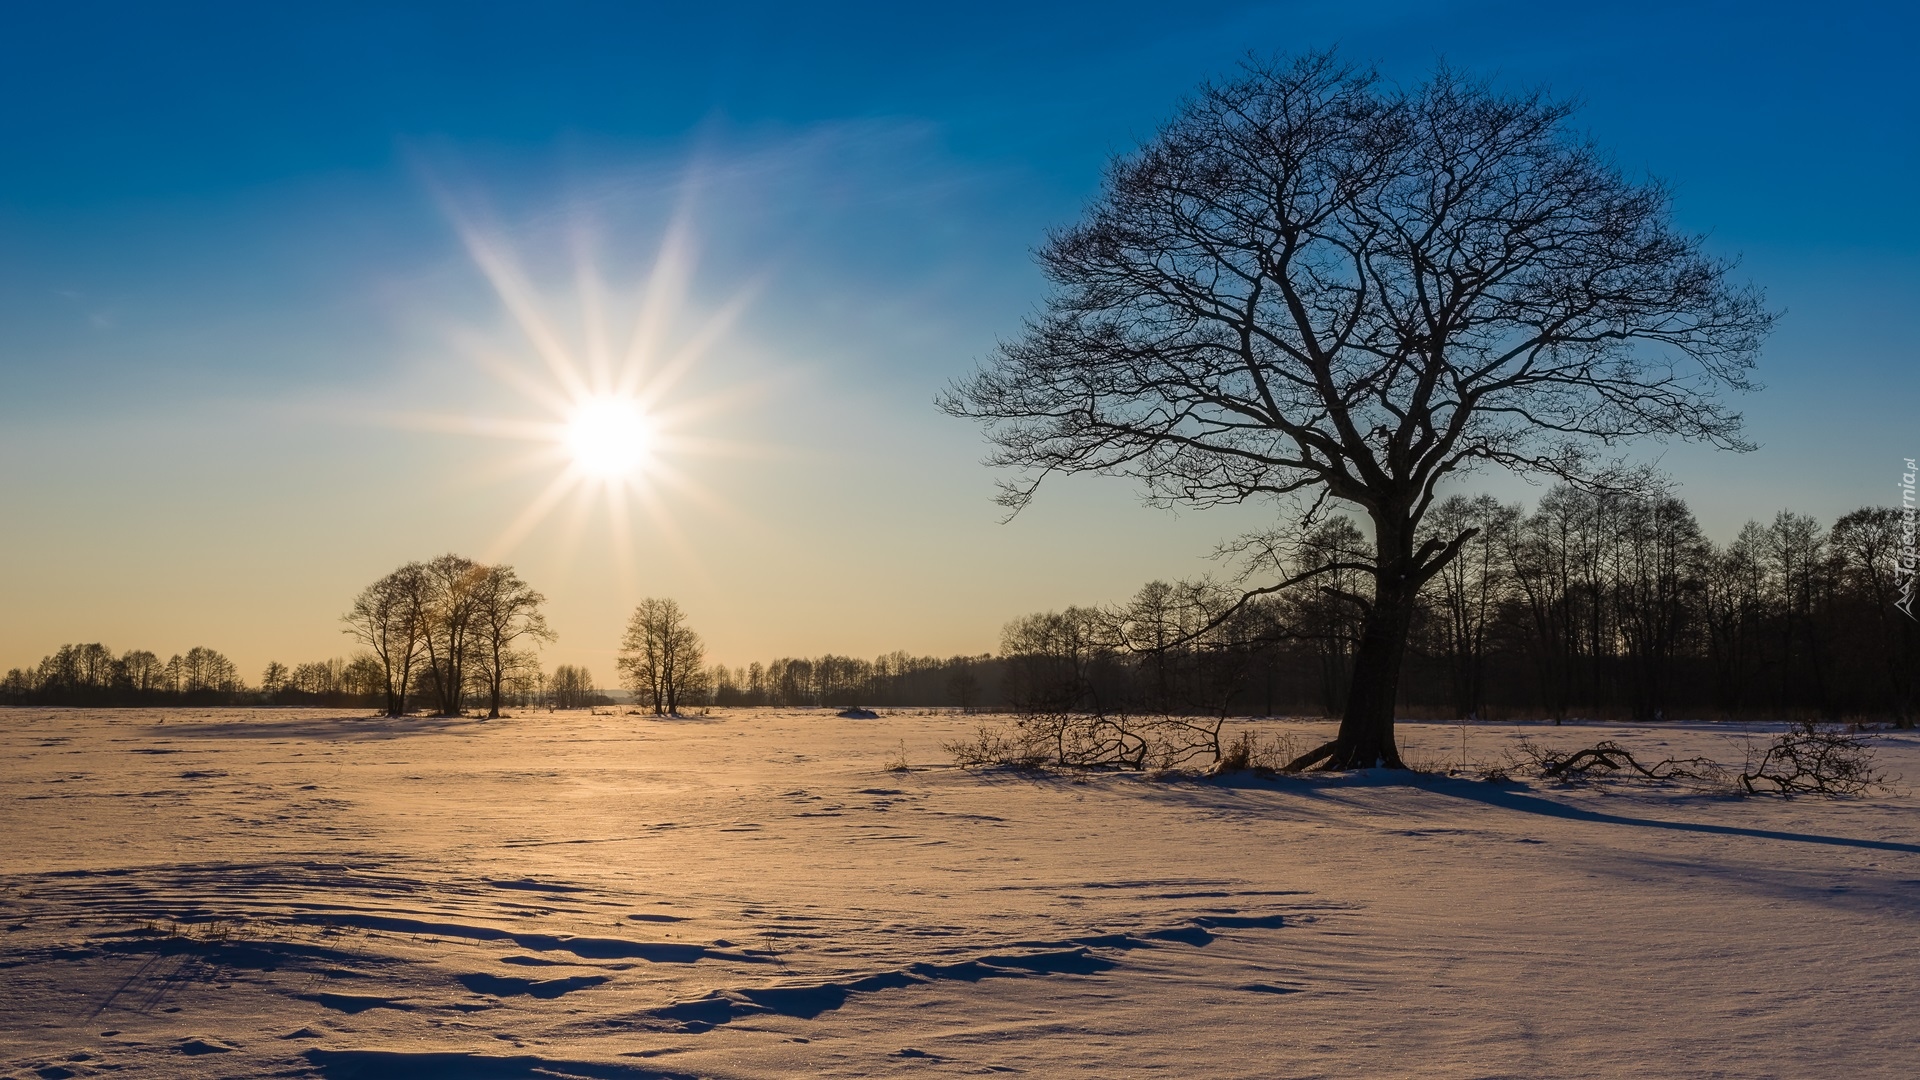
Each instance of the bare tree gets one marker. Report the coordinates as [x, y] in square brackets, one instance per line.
[361, 677]
[1469, 590]
[452, 583]
[319, 678]
[1662, 565]
[505, 609]
[208, 671]
[81, 670]
[1866, 549]
[274, 678]
[390, 618]
[571, 687]
[1795, 558]
[1050, 659]
[1310, 284]
[963, 686]
[661, 656]
[1735, 604]
[143, 670]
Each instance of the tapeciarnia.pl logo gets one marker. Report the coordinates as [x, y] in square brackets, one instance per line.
[1906, 562]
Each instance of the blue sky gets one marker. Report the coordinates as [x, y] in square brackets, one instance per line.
[230, 248]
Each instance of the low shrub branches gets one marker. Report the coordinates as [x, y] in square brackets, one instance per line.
[1806, 759]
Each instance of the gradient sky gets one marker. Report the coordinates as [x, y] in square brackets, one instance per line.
[240, 315]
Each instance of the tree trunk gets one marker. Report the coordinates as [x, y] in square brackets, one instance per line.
[1366, 737]
[397, 697]
[1366, 729]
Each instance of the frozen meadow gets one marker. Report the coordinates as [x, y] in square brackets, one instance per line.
[761, 893]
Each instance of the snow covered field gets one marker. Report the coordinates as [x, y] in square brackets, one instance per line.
[755, 894]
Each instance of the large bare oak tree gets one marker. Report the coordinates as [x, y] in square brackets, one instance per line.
[1312, 284]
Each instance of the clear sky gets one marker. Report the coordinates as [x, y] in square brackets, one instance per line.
[251, 356]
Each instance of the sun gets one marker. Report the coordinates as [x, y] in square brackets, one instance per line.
[608, 438]
[601, 373]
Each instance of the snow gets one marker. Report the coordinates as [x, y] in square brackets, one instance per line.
[756, 894]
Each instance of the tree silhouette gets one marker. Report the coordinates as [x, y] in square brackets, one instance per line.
[1308, 283]
[571, 687]
[1467, 591]
[273, 678]
[661, 656]
[390, 618]
[452, 582]
[505, 609]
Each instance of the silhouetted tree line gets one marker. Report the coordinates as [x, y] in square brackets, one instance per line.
[361, 682]
[91, 674]
[1592, 605]
[339, 682]
[442, 632]
[894, 680]
[662, 663]
[569, 687]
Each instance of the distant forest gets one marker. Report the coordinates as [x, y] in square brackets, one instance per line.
[1592, 605]
[92, 675]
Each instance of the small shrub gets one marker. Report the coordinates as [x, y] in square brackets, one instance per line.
[1111, 740]
[897, 762]
[1808, 759]
[991, 746]
[1236, 756]
[1257, 751]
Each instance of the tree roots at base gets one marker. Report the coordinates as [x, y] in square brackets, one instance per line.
[1339, 755]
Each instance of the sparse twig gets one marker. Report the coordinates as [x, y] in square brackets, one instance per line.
[898, 761]
[1607, 758]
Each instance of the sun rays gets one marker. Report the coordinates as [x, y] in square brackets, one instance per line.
[600, 373]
